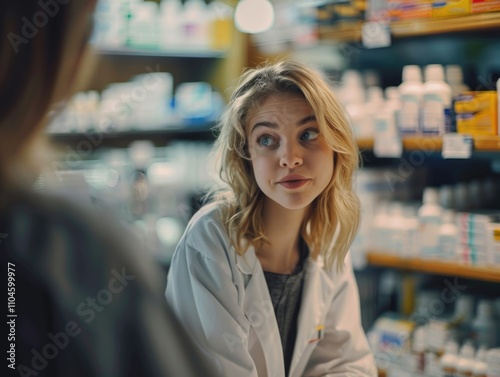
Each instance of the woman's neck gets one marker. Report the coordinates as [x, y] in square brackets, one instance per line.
[282, 229]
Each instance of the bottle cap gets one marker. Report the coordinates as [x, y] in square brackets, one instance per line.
[412, 73]
[419, 343]
[467, 350]
[430, 195]
[434, 72]
[454, 74]
[391, 92]
[451, 347]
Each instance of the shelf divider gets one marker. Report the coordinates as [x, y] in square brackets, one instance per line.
[434, 266]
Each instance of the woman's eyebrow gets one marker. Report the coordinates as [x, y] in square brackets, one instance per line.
[307, 119]
[264, 124]
[273, 125]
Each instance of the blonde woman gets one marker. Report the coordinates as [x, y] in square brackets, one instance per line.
[82, 299]
[262, 276]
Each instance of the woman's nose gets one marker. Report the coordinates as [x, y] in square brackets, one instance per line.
[291, 156]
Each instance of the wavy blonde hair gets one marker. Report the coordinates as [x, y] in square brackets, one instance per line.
[333, 218]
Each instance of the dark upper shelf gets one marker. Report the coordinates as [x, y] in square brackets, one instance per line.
[124, 138]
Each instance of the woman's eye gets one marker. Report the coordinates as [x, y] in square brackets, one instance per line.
[265, 141]
[309, 135]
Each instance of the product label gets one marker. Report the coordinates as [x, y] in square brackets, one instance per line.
[408, 115]
[457, 146]
[376, 34]
[429, 230]
[433, 114]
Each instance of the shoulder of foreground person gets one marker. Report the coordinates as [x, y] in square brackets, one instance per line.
[96, 288]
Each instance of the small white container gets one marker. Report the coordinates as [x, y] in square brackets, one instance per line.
[411, 94]
[436, 101]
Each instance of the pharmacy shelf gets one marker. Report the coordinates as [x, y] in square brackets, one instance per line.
[351, 31]
[173, 53]
[434, 266]
[422, 143]
[123, 139]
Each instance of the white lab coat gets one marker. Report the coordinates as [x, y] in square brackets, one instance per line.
[223, 300]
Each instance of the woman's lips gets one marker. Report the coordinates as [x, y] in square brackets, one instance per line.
[293, 184]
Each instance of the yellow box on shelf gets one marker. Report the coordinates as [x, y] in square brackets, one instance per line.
[480, 6]
[409, 9]
[480, 123]
[472, 102]
[450, 8]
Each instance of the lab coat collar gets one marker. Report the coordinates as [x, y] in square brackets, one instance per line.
[248, 262]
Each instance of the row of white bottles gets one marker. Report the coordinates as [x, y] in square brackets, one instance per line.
[417, 106]
[464, 362]
[431, 230]
[427, 106]
[169, 24]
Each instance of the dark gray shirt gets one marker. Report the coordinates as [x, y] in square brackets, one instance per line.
[286, 291]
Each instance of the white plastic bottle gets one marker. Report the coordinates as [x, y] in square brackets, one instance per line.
[380, 226]
[353, 96]
[411, 94]
[429, 216]
[479, 369]
[396, 229]
[449, 360]
[195, 24]
[455, 77]
[387, 141]
[484, 326]
[436, 117]
[375, 103]
[411, 233]
[170, 24]
[462, 316]
[465, 362]
[448, 237]
[493, 362]
[418, 348]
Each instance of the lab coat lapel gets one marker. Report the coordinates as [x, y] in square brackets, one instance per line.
[317, 295]
[258, 308]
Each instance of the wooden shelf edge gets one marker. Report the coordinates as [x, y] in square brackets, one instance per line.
[423, 143]
[434, 266]
[351, 31]
[429, 26]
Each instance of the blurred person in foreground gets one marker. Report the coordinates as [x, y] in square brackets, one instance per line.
[81, 300]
